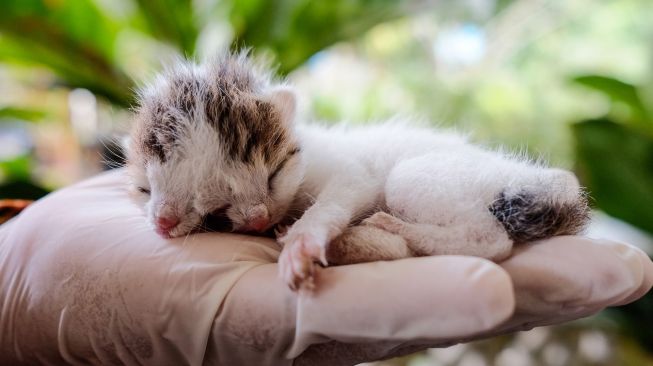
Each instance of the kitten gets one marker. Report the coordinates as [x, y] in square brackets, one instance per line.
[220, 139]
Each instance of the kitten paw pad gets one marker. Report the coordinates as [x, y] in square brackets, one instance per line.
[297, 262]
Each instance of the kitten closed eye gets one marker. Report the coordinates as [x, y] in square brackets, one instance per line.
[291, 153]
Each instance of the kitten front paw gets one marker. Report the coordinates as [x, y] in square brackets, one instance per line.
[385, 221]
[297, 260]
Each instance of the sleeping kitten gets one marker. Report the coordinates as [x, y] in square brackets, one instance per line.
[220, 139]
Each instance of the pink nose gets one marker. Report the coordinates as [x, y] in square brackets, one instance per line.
[165, 224]
[258, 224]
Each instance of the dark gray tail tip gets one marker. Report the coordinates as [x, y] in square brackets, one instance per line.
[529, 216]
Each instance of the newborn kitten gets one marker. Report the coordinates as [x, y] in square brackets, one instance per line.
[219, 138]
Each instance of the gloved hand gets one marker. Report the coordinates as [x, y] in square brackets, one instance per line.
[83, 279]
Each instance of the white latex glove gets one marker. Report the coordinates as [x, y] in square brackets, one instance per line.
[84, 280]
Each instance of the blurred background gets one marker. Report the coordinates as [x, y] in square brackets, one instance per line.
[568, 81]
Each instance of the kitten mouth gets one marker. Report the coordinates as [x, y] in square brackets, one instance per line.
[172, 233]
[217, 222]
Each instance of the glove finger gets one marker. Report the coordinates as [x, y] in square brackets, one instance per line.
[564, 274]
[440, 297]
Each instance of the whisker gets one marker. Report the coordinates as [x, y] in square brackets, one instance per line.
[112, 155]
[183, 244]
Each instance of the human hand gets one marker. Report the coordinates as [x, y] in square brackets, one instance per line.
[84, 280]
[378, 310]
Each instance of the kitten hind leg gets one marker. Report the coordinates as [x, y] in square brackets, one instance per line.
[367, 243]
[439, 203]
[488, 241]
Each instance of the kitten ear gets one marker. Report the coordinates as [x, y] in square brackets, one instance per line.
[284, 101]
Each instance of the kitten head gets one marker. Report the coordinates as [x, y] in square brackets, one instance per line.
[215, 139]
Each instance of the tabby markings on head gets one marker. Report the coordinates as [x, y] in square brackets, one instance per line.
[230, 102]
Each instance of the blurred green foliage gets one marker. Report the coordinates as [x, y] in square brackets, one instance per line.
[615, 161]
[23, 114]
[72, 38]
[78, 40]
[295, 30]
[615, 153]
[19, 185]
[619, 92]
[614, 157]
[171, 20]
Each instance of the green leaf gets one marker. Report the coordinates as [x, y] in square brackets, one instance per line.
[32, 115]
[172, 21]
[17, 169]
[618, 91]
[615, 161]
[72, 38]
